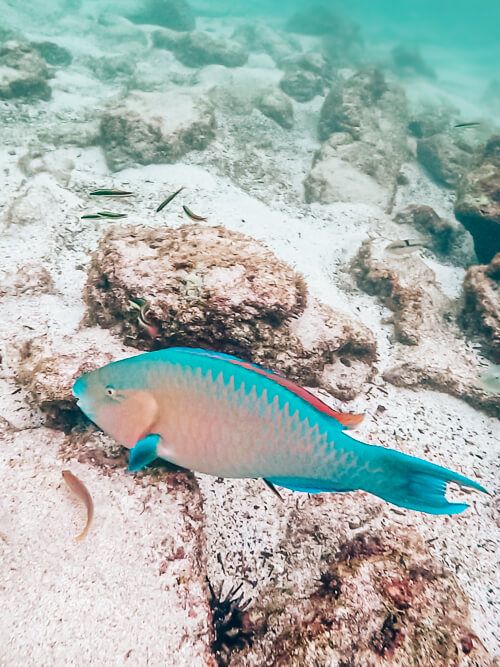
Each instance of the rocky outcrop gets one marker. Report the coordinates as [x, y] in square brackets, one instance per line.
[46, 370]
[301, 84]
[381, 597]
[275, 105]
[173, 14]
[260, 38]
[481, 312]
[306, 75]
[408, 61]
[363, 123]
[53, 54]
[443, 234]
[405, 285]
[23, 73]
[150, 128]
[445, 158]
[477, 205]
[197, 49]
[209, 287]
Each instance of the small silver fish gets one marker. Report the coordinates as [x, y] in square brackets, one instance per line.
[403, 247]
[110, 192]
[471, 124]
[490, 380]
[169, 199]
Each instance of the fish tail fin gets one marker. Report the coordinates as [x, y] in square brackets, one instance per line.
[413, 483]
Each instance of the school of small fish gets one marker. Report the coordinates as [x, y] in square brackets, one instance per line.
[120, 194]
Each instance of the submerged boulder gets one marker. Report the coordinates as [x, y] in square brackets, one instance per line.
[260, 38]
[150, 128]
[363, 123]
[23, 73]
[477, 205]
[53, 54]
[275, 105]
[380, 598]
[444, 235]
[198, 49]
[482, 304]
[46, 370]
[302, 85]
[173, 14]
[445, 158]
[408, 60]
[405, 285]
[210, 287]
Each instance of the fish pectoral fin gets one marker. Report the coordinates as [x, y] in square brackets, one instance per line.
[144, 452]
[307, 485]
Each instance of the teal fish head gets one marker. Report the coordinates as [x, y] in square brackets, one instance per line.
[124, 412]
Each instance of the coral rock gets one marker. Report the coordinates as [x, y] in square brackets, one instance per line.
[23, 74]
[155, 127]
[444, 234]
[198, 49]
[482, 304]
[53, 54]
[408, 289]
[259, 37]
[445, 159]
[47, 370]
[302, 85]
[277, 106]
[173, 14]
[478, 202]
[209, 287]
[381, 598]
[364, 122]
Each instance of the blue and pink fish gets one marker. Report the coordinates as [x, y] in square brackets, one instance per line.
[214, 413]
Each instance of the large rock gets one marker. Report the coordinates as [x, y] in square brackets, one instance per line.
[482, 304]
[382, 598]
[445, 158]
[53, 54]
[478, 201]
[444, 235]
[173, 14]
[197, 49]
[302, 84]
[23, 73]
[363, 121]
[149, 128]
[408, 61]
[209, 287]
[259, 37]
[404, 284]
[275, 105]
[46, 370]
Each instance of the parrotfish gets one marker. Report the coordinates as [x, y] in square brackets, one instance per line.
[217, 414]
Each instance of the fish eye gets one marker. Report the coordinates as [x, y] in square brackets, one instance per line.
[110, 390]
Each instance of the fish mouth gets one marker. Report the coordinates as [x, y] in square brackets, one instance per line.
[78, 388]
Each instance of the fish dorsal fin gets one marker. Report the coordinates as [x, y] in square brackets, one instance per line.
[348, 420]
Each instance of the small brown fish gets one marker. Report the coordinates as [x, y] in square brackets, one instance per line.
[403, 247]
[169, 199]
[103, 192]
[472, 124]
[192, 215]
[79, 489]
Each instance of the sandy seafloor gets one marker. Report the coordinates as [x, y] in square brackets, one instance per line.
[102, 602]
